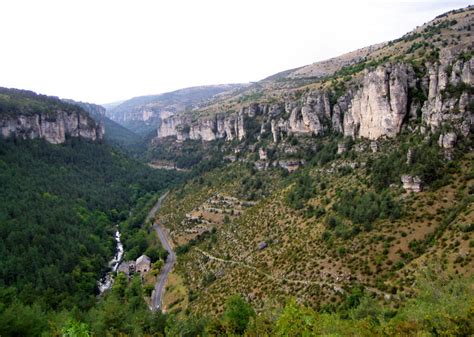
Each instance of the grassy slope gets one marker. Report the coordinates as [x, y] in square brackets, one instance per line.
[381, 258]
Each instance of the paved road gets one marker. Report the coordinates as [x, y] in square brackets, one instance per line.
[157, 299]
[157, 295]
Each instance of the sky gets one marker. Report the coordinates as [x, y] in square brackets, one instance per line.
[103, 51]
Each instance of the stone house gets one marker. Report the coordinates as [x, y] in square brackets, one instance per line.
[126, 267]
[143, 264]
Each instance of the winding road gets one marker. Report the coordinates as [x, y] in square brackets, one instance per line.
[157, 295]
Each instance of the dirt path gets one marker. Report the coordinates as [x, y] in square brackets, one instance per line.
[336, 287]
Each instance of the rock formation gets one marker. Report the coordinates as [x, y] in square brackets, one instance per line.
[449, 98]
[377, 105]
[52, 127]
[411, 183]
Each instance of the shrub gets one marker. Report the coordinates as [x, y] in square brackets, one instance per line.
[366, 207]
[237, 314]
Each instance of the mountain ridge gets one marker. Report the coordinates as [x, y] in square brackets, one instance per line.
[142, 113]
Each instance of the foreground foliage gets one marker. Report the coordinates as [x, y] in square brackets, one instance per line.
[443, 306]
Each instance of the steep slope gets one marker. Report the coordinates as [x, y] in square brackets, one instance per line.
[62, 195]
[423, 78]
[354, 180]
[144, 113]
[115, 134]
[26, 115]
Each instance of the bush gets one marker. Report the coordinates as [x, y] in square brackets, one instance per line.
[366, 207]
[237, 314]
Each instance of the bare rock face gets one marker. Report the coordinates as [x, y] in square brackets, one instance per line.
[275, 131]
[374, 146]
[341, 148]
[374, 106]
[206, 129]
[378, 108]
[53, 127]
[411, 183]
[447, 140]
[342, 106]
[410, 155]
[239, 127]
[308, 118]
[449, 100]
[290, 165]
[168, 126]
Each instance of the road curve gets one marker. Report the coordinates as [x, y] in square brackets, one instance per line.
[157, 295]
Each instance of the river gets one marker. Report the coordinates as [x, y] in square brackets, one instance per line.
[107, 281]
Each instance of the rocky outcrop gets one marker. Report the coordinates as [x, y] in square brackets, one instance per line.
[447, 140]
[53, 127]
[290, 165]
[449, 95]
[378, 104]
[411, 183]
[341, 148]
[308, 118]
[206, 129]
[374, 146]
[148, 111]
[379, 107]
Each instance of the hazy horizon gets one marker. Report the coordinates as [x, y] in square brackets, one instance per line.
[108, 51]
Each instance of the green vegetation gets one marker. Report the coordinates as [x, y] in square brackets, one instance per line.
[16, 101]
[302, 191]
[427, 162]
[364, 208]
[443, 306]
[123, 138]
[58, 207]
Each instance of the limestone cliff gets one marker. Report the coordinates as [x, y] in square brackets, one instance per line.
[26, 115]
[145, 112]
[449, 95]
[422, 82]
[378, 108]
[378, 104]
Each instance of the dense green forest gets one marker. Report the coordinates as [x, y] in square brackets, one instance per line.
[58, 208]
[16, 101]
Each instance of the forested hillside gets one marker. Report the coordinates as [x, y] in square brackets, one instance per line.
[334, 199]
[58, 208]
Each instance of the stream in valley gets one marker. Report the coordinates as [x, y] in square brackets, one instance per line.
[107, 281]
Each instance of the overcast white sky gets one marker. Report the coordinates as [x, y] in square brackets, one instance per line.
[107, 50]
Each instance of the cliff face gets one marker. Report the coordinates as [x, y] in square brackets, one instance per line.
[206, 129]
[142, 113]
[449, 95]
[379, 105]
[53, 129]
[26, 115]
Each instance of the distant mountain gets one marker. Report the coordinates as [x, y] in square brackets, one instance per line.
[112, 105]
[378, 91]
[143, 114]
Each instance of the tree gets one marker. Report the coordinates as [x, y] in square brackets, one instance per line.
[237, 314]
[295, 321]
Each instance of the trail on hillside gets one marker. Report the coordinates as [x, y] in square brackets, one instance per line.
[336, 287]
